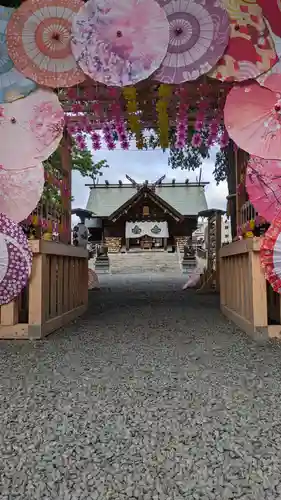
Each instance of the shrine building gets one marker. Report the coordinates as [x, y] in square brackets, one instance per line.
[144, 216]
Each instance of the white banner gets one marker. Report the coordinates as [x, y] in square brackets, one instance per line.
[147, 228]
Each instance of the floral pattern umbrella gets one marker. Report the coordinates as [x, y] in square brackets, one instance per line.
[20, 191]
[15, 260]
[252, 117]
[271, 9]
[199, 33]
[13, 85]
[272, 78]
[30, 129]
[250, 51]
[270, 254]
[120, 43]
[263, 184]
[38, 39]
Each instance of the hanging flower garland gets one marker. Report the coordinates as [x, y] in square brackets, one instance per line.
[213, 132]
[182, 120]
[196, 140]
[118, 121]
[224, 141]
[164, 94]
[108, 136]
[130, 95]
[201, 115]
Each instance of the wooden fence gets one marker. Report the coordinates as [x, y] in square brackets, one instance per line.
[245, 297]
[57, 292]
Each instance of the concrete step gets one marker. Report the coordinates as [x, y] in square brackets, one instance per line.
[152, 262]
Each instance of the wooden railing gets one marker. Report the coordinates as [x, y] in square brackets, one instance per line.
[244, 293]
[57, 292]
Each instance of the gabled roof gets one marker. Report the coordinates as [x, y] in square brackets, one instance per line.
[186, 199]
[149, 193]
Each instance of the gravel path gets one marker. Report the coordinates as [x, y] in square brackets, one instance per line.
[152, 396]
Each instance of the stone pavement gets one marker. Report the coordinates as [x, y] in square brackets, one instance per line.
[153, 395]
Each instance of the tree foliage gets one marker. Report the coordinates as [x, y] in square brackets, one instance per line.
[191, 158]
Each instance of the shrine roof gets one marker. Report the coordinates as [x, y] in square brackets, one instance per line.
[187, 199]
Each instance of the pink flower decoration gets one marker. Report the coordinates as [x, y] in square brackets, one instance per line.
[111, 145]
[224, 139]
[198, 125]
[125, 144]
[76, 108]
[196, 140]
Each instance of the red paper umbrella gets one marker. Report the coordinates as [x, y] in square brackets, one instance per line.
[15, 260]
[263, 184]
[270, 254]
[250, 51]
[38, 40]
[271, 9]
[252, 116]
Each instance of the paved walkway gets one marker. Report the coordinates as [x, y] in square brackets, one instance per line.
[152, 396]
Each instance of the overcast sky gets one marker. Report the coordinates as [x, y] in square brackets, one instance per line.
[150, 165]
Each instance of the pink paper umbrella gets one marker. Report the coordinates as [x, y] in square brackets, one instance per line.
[120, 43]
[20, 191]
[263, 184]
[199, 33]
[15, 260]
[270, 254]
[252, 117]
[30, 129]
[38, 40]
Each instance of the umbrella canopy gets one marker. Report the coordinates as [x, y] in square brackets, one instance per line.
[250, 51]
[199, 33]
[270, 254]
[13, 85]
[93, 281]
[38, 40]
[20, 191]
[272, 78]
[120, 43]
[15, 260]
[263, 184]
[252, 117]
[271, 9]
[30, 129]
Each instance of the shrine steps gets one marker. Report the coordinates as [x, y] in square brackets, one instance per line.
[145, 262]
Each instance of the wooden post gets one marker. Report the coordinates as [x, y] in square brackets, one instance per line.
[218, 247]
[66, 162]
[10, 313]
[37, 297]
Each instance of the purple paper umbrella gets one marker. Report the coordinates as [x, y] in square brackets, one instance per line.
[15, 260]
[199, 34]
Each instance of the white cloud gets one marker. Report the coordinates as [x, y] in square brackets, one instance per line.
[147, 165]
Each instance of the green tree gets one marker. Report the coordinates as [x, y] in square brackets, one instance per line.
[82, 161]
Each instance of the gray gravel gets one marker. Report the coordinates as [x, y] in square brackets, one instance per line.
[153, 395]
